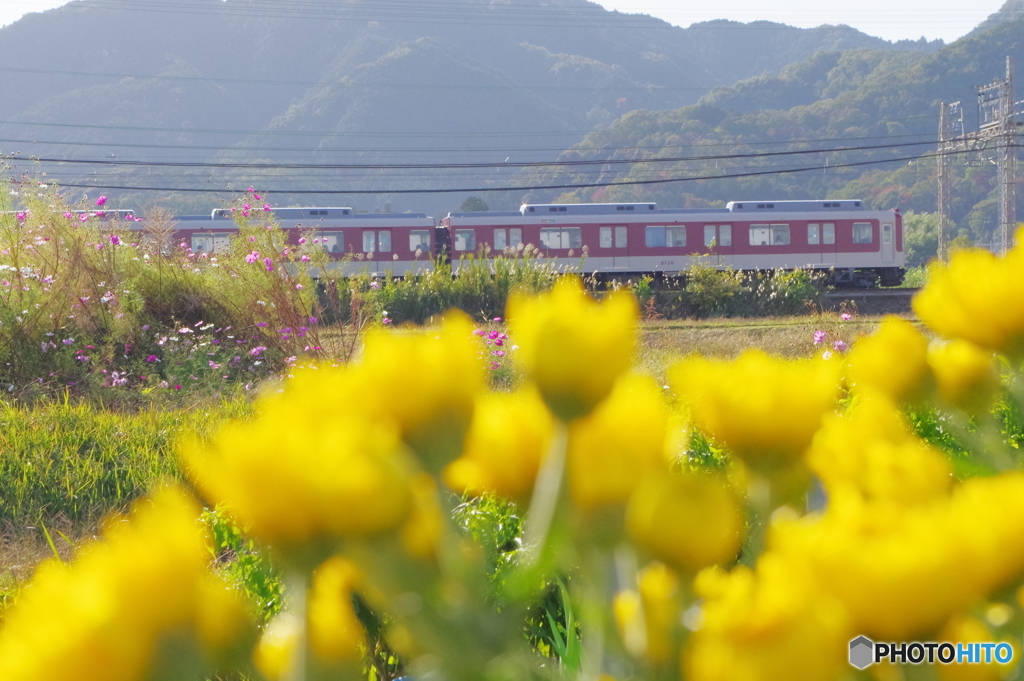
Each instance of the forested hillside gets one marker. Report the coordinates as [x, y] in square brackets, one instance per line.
[290, 81]
[879, 105]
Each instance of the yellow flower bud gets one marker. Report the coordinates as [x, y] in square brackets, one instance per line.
[426, 381]
[335, 633]
[571, 346]
[628, 611]
[618, 444]
[978, 297]
[964, 373]
[277, 646]
[422, 531]
[688, 521]
[659, 593]
[509, 437]
[891, 361]
[764, 409]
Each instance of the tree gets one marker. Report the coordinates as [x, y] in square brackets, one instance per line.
[474, 204]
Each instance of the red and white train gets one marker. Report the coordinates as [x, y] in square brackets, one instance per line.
[859, 247]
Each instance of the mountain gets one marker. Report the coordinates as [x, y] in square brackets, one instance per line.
[357, 81]
[882, 106]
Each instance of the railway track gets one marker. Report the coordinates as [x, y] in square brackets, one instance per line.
[874, 301]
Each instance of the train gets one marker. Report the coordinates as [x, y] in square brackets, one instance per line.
[854, 245]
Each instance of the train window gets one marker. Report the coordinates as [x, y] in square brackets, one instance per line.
[760, 235]
[710, 235]
[369, 242]
[500, 239]
[419, 240]
[654, 237]
[202, 243]
[384, 240]
[620, 237]
[515, 237]
[862, 232]
[675, 237]
[465, 240]
[813, 234]
[332, 242]
[828, 233]
[561, 237]
[887, 234]
[606, 237]
[725, 235]
[764, 235]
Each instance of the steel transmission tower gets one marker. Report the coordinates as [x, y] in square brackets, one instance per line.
[995, 140]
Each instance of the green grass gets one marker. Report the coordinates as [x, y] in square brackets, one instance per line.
[75, 463]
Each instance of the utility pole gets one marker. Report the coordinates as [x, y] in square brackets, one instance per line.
[995, 140]
[944, 178]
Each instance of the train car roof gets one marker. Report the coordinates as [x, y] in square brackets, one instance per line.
[586, 208]
[789, 206]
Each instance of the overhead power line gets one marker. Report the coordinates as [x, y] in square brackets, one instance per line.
[524, 188]
[482, 165]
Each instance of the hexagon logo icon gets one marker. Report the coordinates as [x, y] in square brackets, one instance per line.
[862, 652]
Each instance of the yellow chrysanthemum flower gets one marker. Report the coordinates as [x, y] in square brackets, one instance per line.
[766, 625]
[891, 361]
[870, 450]
[765, 409]
[139, 600]
[689, 521]
[965, 374]
[978, 297]
[508, 439]
[424, 380]
[617, 445]
[895, 569]
[571, 346]
[298, 474]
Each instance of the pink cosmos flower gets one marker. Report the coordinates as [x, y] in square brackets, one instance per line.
[839, 346]
[845, 317]
[269, 264]
[100, 201]
[115, 240]
[819, 337]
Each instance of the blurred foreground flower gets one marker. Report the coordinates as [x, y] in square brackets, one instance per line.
[138, 604]
[303, 473]
[572, 346]
[978, 297]
[765, 409]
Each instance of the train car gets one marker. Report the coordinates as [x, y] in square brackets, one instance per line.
[372, 243]
[857, 246]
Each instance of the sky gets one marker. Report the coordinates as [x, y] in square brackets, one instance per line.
[888, 19]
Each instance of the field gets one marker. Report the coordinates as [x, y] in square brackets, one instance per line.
[247, 473]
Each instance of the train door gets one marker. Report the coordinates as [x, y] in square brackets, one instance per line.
[718, 241]
[620, 247]
[888, 242]
[828, 244]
